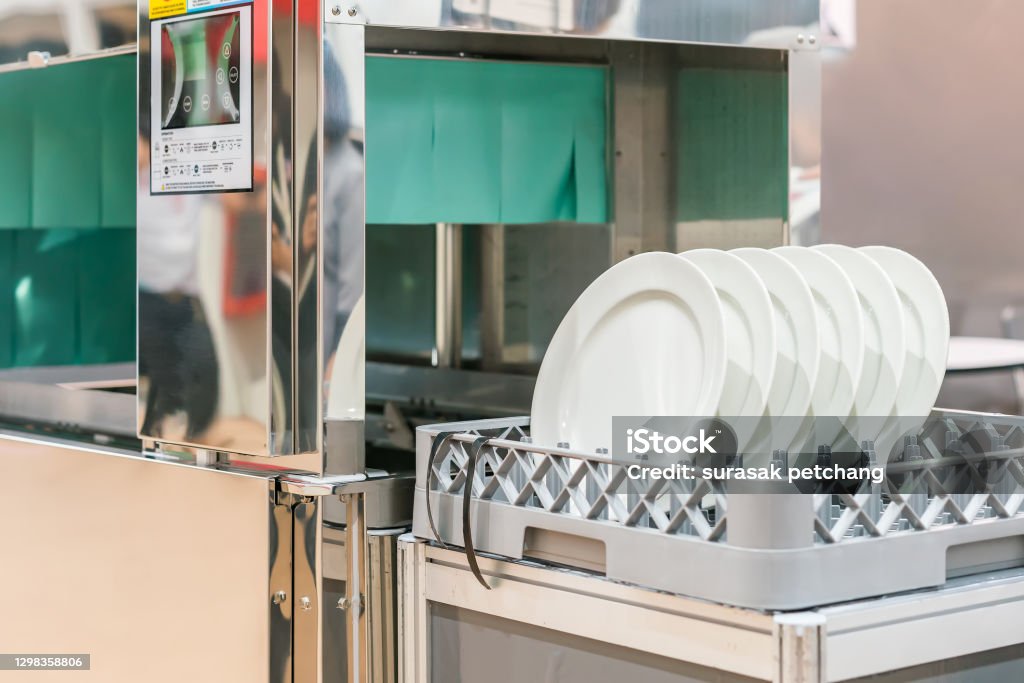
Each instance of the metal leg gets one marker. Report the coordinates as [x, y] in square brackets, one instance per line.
[801, 641]
[355, 546]
[413, 636]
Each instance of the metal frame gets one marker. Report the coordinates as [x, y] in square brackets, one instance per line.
[834, 643]
[685, 21]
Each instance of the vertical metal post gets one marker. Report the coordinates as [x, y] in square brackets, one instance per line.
[492, 296]
[448, 298]
[355, 589]
[281, 593]
[413, 620]
[381, 607]
[800, 638]
[306, 582]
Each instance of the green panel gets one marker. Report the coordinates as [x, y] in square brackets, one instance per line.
[485, 142]
[15, 152]
[106, 295]
[732, 142]
[67, 167]
[66, 147]
[6, 298]
[45, 304]
[117, 162]
[466, 147]
[538, 145]
[399, 105]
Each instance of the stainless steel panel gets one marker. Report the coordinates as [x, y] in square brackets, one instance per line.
[281, 593]
[702, 21]
[388, 504]
[284, 230]
[344, 446]
[307, 584]
[213, 375]
[243, 371]
[97, 375]
[146, 565]
[73, 410]
[357, 568]
[308, 116]
[64, 29]
[342, 228]
[379, 604]
[446, 389]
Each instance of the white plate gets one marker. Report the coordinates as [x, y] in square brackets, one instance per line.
[798, 344]
[927, 330]
[885, 346]
[346, 394]
[749, 331]
[647, 337]
[841, 331]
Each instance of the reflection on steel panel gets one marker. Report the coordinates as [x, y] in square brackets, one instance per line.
[148, 566]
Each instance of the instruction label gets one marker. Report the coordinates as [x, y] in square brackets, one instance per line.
[161, 9]
[201, 104]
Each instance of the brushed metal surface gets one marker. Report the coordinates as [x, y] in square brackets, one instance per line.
[159, 571]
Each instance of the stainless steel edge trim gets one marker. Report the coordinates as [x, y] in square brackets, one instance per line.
[75, 409]
[67, 59]
[280, 594]
[693, 21]
[307, 630]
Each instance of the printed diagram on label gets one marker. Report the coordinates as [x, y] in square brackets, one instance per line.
[201, 105]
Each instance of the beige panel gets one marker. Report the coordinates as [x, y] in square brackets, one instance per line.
[159, 571]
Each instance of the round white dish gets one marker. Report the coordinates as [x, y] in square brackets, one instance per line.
[840, 327]
[926, 331]
[647, 337]
[749, 331]
[885, 346]
[798, 346]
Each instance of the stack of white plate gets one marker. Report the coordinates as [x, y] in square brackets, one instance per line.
[856, 334]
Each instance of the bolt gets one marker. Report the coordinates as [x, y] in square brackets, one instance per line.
[305, 603]
[279, 597]
[352, 11]
[800, 38]
[344, 603]
[335, 10]
[812, 40]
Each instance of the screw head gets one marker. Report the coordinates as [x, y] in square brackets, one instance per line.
[305, 603]
[335, 10]
[279, 597]
[812, 40]
[800, 38]
[344, 603]
[352, 11]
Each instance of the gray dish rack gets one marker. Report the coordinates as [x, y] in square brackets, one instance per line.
[771, 552]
